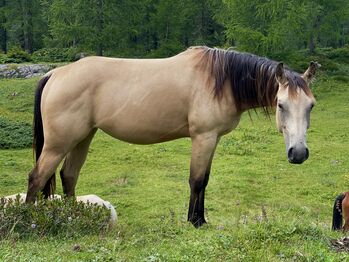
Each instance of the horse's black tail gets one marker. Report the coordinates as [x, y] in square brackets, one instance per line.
[38, 141]
[337, 220]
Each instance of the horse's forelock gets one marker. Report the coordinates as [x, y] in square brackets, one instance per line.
[296, 82]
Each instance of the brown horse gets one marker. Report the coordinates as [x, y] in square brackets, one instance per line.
[340, 211]
[200, 93]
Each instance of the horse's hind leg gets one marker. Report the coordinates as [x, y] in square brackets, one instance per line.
[43, 170]
[73, 163]
[203, 147]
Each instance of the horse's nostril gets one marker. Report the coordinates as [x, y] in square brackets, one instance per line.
[290, 153]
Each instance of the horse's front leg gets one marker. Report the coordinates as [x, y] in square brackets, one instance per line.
[203, 147]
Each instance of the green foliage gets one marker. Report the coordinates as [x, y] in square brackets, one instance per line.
[340, 55]
[128, 28]
[64, 218]
[341, 78]
[3, 58]
[149, 28]
[14, 134]
[56, 55]
[281, 25]
[167, 49]
[17, 55]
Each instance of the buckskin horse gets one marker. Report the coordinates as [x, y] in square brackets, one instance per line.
[199, 93]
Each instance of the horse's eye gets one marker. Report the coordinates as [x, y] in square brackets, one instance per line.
[281, 107]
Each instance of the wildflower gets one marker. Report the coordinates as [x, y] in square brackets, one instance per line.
[33, 226]
[70, 219]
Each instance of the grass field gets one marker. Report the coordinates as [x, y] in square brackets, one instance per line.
[259, 207]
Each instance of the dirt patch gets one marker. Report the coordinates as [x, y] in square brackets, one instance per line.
[121, 181]
[340, 245]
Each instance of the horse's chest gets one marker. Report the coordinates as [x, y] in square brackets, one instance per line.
[229, 125]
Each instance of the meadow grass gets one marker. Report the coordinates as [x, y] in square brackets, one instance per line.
[258, 206]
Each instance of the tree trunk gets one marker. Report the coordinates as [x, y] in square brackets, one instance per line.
[100, 27]
[3, 31]
[311, 43]
[3, 36]
[27, 25]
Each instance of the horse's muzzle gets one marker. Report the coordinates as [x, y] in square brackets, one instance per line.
[297, 155]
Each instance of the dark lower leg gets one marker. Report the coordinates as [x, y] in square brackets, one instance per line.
[68, 184]
[196, 212]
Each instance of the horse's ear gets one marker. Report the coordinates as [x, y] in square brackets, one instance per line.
[280, 73]
[310, 72]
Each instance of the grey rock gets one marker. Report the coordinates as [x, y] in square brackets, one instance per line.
[24, 71]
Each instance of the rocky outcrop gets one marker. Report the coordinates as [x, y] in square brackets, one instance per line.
[23, 71]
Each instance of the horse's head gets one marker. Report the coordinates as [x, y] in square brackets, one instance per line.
[294, 104]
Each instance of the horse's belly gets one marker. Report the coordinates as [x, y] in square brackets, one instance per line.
[138, 133]
[145, 123]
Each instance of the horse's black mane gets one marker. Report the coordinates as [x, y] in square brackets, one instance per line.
[253, 80]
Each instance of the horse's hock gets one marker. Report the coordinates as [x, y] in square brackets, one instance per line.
[91, 199]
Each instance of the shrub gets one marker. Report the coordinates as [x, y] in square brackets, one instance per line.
[167, 49]
[340, 55]
[295, 60]
[64, 218]
[17, 55]
[50, 55]
[57, 54]
[329, 58]
[3, 58]
[15, 134]
[341, 78]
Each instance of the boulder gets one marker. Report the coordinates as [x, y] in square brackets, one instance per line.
[23, 71]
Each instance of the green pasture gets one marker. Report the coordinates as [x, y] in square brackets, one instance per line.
[259, 207]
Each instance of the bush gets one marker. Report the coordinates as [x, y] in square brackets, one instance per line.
[3, 58]
[17, 55]
[65, 218]
[57, 55]
[340, 55]
[341, 78]
[295, 60]
[167, 49]
[15, 134]
[299, 61]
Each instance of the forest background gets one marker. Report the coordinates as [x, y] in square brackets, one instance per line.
[59, 30]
